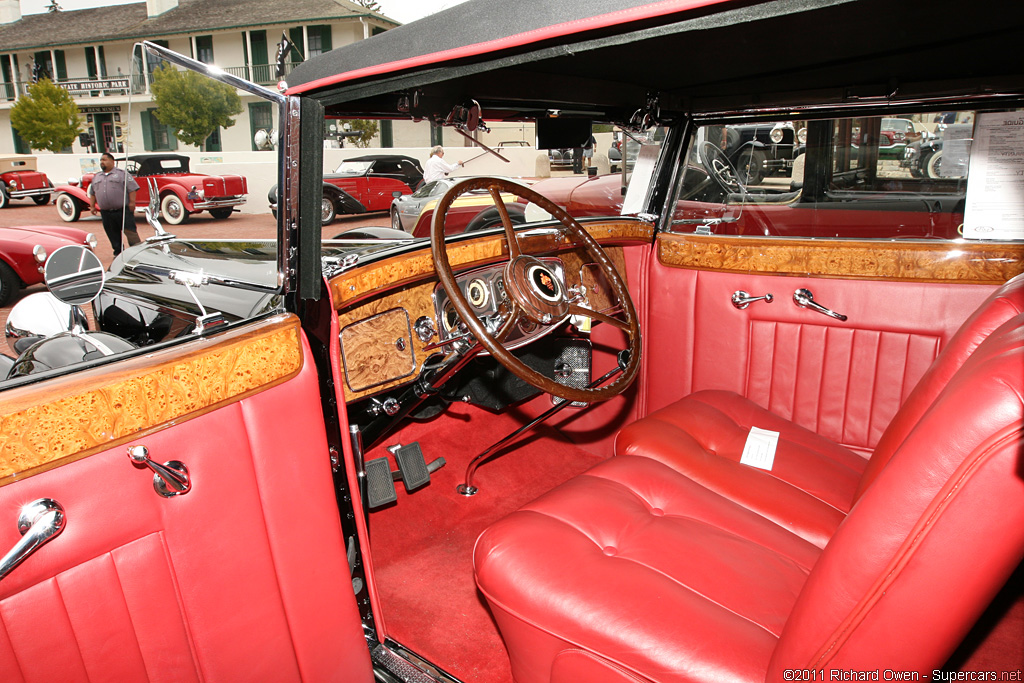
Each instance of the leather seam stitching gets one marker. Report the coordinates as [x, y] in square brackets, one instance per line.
[931, 515]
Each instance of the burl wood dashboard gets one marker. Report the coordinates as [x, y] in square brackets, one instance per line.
[379, 303]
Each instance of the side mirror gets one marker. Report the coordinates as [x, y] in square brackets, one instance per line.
[74, 275]
[396, 194]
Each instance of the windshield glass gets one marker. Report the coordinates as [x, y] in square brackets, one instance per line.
[353, 167]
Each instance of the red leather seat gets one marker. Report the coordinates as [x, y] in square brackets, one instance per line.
[635, 571]
[814, 482]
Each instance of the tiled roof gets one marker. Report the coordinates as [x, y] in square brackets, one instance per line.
[130, 22]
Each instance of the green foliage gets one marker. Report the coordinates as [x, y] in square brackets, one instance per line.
[371, 5]
[368, 130]
[193, 105]
[47, 117]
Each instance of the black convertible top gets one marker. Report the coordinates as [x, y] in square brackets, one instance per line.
[602, 58]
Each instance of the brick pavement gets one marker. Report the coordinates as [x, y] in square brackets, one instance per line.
[239, 225]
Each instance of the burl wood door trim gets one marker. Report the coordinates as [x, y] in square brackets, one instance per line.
[56, 421]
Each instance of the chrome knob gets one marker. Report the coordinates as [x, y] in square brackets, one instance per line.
[741, 299]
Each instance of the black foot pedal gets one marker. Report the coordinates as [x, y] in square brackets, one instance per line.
[412, 468]
[380, 486]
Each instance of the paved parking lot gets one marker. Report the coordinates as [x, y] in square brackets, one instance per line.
[239, 225]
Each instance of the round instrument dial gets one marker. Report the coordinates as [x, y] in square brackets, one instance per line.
[478, 293]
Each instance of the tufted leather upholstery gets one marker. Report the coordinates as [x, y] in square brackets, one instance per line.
[657, 575]
[814, 481]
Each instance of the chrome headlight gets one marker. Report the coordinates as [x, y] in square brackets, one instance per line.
[73, 181]
[776, 135]
[801, 136]
[91, 240]
[13, 184]
[39, 253]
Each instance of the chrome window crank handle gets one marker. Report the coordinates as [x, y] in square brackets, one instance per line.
[805, 299]
[741, 299]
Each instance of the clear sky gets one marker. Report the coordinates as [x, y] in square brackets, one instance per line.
[400, 10]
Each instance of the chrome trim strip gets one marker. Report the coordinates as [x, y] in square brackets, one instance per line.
[214, 72]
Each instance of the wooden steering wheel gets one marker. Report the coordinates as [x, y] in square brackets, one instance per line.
[534, 291]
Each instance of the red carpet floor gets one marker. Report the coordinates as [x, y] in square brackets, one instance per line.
[423, 544]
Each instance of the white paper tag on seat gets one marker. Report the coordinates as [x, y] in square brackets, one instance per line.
[759, 451]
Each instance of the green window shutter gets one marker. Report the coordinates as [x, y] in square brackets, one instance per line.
[325, 38]
[90, 63]
[295, 35]
[103, 62]
[245, 50]
[172, 141]
[387, 133]
[147, 129]
[20, 146]
[262, 73]
[62, 67]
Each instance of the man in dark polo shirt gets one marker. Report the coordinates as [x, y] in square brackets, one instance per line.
[109, 197]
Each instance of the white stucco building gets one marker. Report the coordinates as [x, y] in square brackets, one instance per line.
[93, 54]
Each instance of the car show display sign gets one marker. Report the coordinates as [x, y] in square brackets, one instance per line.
[995, 192]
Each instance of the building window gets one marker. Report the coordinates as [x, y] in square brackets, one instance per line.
[20, 146]
[261, 117]
[258, 62]
[204, 49]
[319, 40]
[212, 143]
[156, 136]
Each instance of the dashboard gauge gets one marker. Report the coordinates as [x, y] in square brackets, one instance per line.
[449, 318]
[478, 293]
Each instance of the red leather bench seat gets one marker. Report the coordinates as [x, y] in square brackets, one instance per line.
[645, 568]
[635, 571]
[814, 481]
[809, 490]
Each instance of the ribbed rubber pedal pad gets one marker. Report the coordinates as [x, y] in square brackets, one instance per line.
[380, 486]
[412, 468]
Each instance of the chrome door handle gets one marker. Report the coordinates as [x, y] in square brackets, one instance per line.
[39, 521]
[741, 299]
[804, 299]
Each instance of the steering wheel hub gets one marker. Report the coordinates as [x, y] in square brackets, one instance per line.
[536, 289]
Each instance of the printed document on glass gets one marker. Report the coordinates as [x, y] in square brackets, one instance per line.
[995, 186]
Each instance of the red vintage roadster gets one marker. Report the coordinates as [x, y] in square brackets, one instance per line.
[726, 433]
[181, 192]
[21, 179]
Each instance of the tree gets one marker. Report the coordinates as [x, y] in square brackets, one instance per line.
[368, 130]
[47, 117]
[192, 104]
[371, 5]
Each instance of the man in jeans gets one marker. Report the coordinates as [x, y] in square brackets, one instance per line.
[110, 198]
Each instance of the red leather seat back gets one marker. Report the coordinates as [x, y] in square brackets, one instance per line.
[1005, 302]
[934, 537]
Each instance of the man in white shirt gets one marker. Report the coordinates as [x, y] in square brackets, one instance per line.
[436, 167]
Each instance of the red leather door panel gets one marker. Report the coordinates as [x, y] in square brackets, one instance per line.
[244, 577]
[844, 380]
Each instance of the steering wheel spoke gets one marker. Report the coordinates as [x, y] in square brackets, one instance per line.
[514, 250]
[576, 309]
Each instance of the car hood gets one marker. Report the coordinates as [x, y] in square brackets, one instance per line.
[43, 234]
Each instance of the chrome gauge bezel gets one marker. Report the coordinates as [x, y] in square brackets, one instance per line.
[484, 291]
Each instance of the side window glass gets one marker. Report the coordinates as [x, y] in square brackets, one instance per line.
[869, 177]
